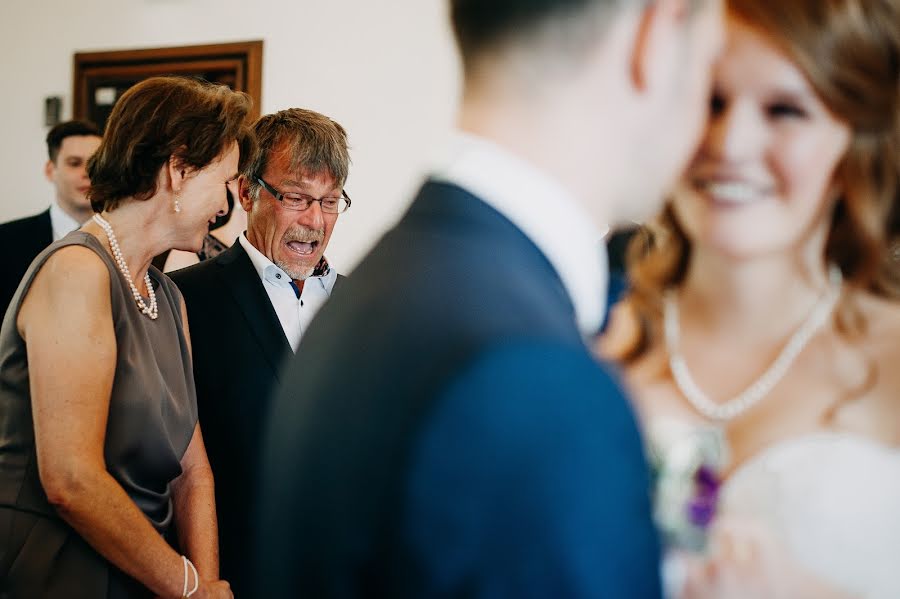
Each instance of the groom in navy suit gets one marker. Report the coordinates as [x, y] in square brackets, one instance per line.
[444, 430]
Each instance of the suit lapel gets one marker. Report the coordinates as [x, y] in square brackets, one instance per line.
[338, 282]
[45, 230]
[242, 281]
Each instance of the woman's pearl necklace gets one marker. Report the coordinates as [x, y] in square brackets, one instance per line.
[753, 394]
[153, 309]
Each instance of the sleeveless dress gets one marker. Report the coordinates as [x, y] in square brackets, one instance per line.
[832, 500]
[152, 416]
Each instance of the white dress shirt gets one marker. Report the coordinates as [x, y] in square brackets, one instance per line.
[61, 223]
[544, 211]
[294, 313]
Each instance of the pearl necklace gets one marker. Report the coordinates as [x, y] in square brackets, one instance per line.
[762, 386]
[153, 309]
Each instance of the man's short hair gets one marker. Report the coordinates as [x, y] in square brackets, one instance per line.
[317, 144]
[567, 27]
[59, 132]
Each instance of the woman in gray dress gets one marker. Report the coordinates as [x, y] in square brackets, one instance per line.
[101, 455]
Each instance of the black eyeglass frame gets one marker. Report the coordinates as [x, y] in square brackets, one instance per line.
[278, 195]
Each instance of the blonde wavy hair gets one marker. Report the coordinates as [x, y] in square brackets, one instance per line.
[849, 50]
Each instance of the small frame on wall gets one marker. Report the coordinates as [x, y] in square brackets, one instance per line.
[99, 78]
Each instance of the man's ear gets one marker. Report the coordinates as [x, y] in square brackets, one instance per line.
[244, 193]
[659, 21]
[49, 170]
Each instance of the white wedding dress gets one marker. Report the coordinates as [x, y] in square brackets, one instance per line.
[833, 499]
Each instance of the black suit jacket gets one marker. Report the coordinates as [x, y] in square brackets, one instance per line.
[443, 431]
[238, 349]
[20, 243]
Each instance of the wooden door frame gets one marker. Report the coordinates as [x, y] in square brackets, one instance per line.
[244, 57]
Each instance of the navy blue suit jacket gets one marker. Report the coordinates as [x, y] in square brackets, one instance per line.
[444, 432]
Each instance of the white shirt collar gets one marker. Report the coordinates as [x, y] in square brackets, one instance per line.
[61, 223]
[542, 209]
[271, 273]
[295, 311]
[265, 268]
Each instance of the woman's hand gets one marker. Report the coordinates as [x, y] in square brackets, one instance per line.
[218, 589]
[747, 561]
[212, 589]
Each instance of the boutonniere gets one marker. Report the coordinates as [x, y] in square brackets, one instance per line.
[686, 463]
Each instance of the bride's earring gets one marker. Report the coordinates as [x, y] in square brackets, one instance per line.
[177, 203]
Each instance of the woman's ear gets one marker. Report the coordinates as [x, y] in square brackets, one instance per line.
[176, 173]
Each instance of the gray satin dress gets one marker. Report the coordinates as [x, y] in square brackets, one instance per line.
[152, 416]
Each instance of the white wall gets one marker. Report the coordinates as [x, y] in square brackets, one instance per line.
[385, 69]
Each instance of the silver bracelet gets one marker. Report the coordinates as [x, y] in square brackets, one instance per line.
[185, 592]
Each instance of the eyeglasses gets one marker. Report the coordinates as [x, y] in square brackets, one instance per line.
[300, 201]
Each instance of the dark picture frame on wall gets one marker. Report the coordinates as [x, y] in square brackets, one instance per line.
[99, 78]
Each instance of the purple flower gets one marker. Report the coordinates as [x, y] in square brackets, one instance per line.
[707, 480]
[700, 511]
[702, 507]
[687, 461]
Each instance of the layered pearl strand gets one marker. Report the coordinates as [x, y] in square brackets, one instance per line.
[761, 387]
[153, 309]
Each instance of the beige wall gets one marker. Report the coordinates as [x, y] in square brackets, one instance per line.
[385, 69]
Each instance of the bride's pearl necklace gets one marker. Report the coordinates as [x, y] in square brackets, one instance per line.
[753, 394]
[153, 309]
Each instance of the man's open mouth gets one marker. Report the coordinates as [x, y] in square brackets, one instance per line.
[304, 248]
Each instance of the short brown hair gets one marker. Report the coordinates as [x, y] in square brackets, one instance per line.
[317, 144]
[162, 117]
[570, 26]
[482, 27]
[60, 132]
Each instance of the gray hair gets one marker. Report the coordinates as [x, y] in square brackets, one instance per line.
[317, 144]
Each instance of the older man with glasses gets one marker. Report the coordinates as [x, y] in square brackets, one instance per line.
[249, 306]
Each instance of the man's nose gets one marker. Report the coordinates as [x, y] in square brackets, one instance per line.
[313, 217]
